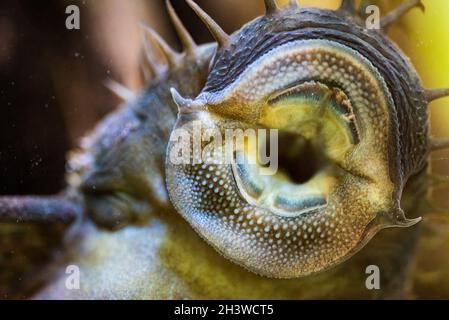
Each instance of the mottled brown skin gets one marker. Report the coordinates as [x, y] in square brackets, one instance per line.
[119, 168]
[162, 257]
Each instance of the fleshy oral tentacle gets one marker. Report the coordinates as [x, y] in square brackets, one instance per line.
[40, 210]
[348, 6]
[432, 95]
[398, 12]
[270, 7]
[363, 5]
[184, 105]
[173, 58]
[120, 90]
[435, 94]
[217, 32]
[186, 39]
[152, 51]
[439, 144]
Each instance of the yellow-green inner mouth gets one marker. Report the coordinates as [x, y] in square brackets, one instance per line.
[317, 129]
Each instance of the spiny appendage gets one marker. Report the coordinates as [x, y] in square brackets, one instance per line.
[293, 4]
[348, 7]
[435, 94]
[57, 210]
[270, 6]
[186, 39]
[439, 144]
[184, 105]
[217, 32]
[154, 41]
[62, 209]
[160, 56]
[121, 91]
[398, 12]
[432, 95]
[155, 48]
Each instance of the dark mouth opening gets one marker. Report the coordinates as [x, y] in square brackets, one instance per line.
[299, 159]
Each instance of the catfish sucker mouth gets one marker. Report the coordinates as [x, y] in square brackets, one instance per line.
[263, 221]
[322, 92]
